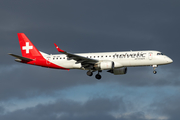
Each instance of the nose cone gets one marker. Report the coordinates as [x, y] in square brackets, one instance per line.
[169, 60]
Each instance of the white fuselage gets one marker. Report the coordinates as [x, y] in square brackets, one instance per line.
[120, 59]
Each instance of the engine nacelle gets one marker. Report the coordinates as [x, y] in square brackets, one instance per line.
[105, 65]
[119, 71]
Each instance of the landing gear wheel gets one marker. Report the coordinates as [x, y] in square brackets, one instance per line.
[98, 76]
[154, 72]
[89, 73]
[154, 68]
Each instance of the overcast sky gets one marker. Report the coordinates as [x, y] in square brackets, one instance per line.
[35, 93]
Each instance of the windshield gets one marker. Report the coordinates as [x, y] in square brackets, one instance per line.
[160, 54]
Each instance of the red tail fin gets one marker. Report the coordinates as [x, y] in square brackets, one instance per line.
[27, 48]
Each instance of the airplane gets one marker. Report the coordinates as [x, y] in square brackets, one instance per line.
[114, 62]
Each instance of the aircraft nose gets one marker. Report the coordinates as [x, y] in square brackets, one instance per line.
[169, 60]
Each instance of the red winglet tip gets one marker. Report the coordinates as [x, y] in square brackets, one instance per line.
[55, 44]
[58, 48]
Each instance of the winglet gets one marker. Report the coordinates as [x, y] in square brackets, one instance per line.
[58, 48]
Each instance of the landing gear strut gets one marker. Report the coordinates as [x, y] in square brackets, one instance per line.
[154, 69]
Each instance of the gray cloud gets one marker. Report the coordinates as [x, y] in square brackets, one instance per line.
[98, 108]
[168, 107]
[2, 110]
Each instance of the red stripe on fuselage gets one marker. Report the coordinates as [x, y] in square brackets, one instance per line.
[41, 61]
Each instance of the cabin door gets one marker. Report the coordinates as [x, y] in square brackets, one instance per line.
[150, 56]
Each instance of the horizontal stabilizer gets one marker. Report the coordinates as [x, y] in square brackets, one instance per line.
[20, 58]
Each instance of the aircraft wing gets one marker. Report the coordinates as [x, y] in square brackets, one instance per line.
[85, 62]
[20, 58]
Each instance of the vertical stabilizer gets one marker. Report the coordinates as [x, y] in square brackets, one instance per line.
[27, 48]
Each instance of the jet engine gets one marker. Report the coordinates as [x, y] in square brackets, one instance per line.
[118, 71]
[105, 65]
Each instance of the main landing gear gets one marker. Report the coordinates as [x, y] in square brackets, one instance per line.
[90, 73]
[154, 69]
[98, 76]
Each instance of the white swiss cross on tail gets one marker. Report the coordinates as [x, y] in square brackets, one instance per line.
[27, 47]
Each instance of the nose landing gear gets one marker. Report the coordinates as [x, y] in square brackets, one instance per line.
[154, 69]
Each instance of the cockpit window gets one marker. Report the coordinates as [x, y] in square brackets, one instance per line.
[160, 54]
